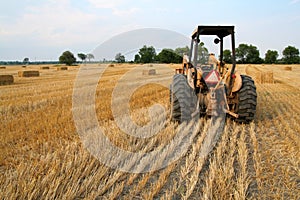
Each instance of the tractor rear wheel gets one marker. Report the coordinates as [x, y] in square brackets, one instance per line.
[246, 106]
[182, 98]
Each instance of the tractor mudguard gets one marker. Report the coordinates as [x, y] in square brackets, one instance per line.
[237, 83]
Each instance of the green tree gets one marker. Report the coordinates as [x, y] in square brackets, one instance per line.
[82, 56]
[291, 55]
[248, 54]
[137, 58]
[241, 53]
[147, 54]
[202, 53]
[67, 58]
[253, 55]
[227, 56]
[90, 56]
[26, 61]
[182, 51]
[120, 58]
[271, 57]
[169, 56]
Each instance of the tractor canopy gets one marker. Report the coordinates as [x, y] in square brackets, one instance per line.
[198, 58]
[220, 31]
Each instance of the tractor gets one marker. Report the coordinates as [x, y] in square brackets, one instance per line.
[206, 86]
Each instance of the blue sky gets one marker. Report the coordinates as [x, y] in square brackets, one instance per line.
[42, 30]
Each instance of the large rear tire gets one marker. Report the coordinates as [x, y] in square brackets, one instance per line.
[247, 100]
[182, 98]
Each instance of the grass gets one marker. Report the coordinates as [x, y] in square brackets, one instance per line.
[42, 155]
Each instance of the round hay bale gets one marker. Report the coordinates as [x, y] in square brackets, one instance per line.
[44, 67]
[288, 68]
[266, 77]
[62, 68]
[1, 67]
[149, 72]
[6, 79]
[111, 65]
[28, 73]
[24, 66]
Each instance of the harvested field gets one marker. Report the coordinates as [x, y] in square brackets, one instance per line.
[42, 156]
[6, 79]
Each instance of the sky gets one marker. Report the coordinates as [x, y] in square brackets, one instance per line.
[43, 29]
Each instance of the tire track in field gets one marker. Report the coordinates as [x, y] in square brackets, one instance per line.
[278, 142]
[230, 171]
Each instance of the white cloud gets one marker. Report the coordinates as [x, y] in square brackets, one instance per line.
[106, 3]
[55, 24]
[294, 2]
[115, 5]
[51, 26]
[122, 13]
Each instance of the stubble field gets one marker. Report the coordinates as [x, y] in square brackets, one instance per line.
[42, 156]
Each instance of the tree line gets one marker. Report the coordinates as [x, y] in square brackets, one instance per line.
[245, 54]
[249, 54]
[147, 54]
[68, 57]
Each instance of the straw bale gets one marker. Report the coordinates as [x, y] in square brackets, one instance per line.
[6, 79]
[28, 73]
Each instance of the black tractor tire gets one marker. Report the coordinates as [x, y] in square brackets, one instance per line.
[247, 101]
[182, 99]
